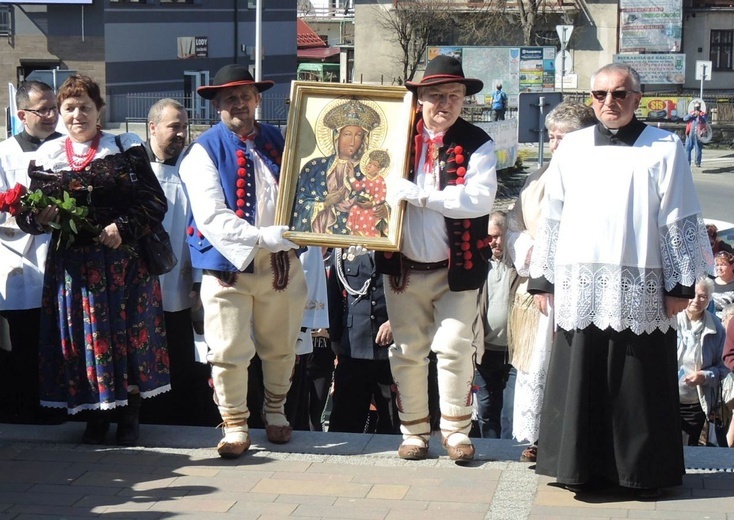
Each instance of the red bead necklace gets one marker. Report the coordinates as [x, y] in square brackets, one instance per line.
[87, 158]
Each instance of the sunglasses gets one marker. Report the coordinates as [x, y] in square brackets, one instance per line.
[601, 95]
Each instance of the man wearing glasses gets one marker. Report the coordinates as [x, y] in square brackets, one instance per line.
[620, 248]
[22, 258]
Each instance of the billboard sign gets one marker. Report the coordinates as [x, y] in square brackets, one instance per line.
[519, 69]
[650, 25]
[657, 69]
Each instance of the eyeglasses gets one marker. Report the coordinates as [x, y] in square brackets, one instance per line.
[726, 256]
[42, 112]
[601, 95]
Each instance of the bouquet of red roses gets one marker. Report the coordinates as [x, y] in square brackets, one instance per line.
[10, 201]
[72, 217]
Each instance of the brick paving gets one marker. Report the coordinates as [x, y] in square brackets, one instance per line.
[175, 474]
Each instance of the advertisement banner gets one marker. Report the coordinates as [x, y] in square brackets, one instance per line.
[659, 69]
[504, 135]
[662, 108]
[650, 25]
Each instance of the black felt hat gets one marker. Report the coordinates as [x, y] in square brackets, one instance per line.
[232, 76]
[445, 69]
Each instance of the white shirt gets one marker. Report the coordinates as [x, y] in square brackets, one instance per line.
[22, 256]
[176, 284]
[232, 236]
[425, 237]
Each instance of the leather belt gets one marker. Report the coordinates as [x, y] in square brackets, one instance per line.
[420, 266]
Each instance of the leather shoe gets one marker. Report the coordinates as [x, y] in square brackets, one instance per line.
[277, 434]
[460, 452]
[232, 449]
[413, 451]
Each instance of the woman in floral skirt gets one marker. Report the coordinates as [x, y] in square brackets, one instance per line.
[103, 341]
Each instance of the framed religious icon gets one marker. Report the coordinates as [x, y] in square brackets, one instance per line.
[343, 142]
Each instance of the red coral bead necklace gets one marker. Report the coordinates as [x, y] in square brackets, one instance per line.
[76, 164]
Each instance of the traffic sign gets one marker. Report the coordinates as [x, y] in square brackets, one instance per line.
[564, 63]
[564, 34]
[703, 70]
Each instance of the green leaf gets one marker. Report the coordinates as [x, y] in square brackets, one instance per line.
[54, 225]
[72, 226]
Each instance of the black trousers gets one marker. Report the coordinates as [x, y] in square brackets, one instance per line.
[19, 395]
[357, 384]
[692, 420]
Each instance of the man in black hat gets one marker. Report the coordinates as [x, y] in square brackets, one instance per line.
[431, 290]
[253, 288]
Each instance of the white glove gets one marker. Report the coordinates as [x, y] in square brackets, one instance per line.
[271, 238]
[353, 252]
[402, 189]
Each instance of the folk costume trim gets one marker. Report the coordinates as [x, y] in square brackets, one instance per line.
[469, 250]
[234, 160]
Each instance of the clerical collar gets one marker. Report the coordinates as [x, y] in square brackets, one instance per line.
[30, 143]
[625, 136]
[152, 157]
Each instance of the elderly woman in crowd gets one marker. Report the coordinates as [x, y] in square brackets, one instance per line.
[700, 366]
[724, 282]
[103, 342]
[530, 331]
[723, 293]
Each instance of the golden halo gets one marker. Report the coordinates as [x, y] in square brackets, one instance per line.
[324, 134]
[366, 159]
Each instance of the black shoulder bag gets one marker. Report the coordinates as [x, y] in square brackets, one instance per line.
[155, 247]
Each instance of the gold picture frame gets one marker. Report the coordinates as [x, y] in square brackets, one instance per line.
[342, 142]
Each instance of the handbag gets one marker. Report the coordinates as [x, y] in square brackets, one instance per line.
[155, 247]
[719, 419]
[157, 252]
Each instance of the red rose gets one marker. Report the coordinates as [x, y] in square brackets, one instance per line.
[3, 205]
[12, 198]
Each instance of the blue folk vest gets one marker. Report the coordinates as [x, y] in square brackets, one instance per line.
[234, 163]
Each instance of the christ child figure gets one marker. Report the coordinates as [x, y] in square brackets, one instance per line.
[368, 215]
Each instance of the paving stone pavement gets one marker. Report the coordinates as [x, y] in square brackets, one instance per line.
[175, 474]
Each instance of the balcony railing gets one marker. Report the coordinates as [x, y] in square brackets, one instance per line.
[327, 12]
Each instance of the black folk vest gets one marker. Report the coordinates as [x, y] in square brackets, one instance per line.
[469, 250]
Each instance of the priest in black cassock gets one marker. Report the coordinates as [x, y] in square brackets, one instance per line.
[618, 254]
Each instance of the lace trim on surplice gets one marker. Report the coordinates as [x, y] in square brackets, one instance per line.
[605, 295]
[685, 250]
[544, 250]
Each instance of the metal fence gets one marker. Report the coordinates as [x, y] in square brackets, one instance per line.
[135, 106]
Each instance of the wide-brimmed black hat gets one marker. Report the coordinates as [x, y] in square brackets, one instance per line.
[232, 76]
[445, 69]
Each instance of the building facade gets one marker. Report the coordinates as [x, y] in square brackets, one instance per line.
[141, 50]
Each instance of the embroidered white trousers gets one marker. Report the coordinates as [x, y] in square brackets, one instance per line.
[426, 316]
[247, 318]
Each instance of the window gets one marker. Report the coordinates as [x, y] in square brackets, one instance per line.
[721, 49]
[6, 20]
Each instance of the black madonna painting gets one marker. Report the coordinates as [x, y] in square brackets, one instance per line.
[342, 144]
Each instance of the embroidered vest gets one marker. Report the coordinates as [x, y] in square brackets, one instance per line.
[237, 175]
[469, 250]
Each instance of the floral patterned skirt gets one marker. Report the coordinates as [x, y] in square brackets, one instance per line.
[102, 330]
